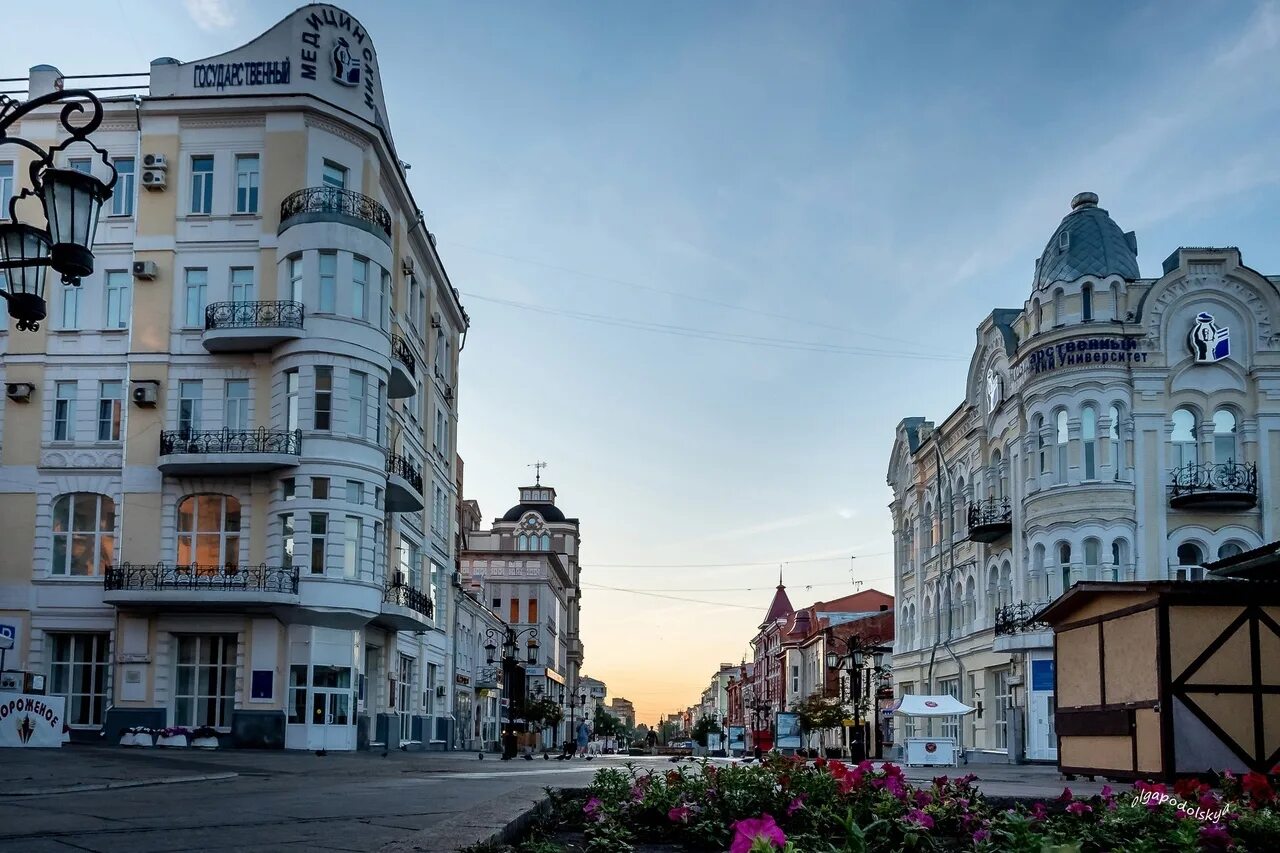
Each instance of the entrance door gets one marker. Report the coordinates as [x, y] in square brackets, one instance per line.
[1042, 738]
[332, 724]
[404, 696]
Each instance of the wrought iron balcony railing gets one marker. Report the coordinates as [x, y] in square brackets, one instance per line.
[401, 352]
[253, 315]
[1019, 618]
[159, 577]
[990, 511]
[260, 440]
[323, 200]
[400, 593]
[400, 466]
[1235, 478]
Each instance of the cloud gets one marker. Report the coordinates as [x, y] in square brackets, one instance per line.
[211, 15]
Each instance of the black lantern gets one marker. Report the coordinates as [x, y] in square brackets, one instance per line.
[833, 660]
[858, 655]
[489, 649]
[24, 250]
[533, 651]
[72, 202]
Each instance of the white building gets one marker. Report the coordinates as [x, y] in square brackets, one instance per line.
[1113, 427]
[229, 452]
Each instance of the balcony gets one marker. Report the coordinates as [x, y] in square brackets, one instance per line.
[990, 520]
[330, 204]
[229, 585]
[405, 608]
[1223, 486]
[250, 326]
[404, 485]
[403, 370]
[224, 451]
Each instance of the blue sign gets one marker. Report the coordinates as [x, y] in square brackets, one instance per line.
[1084, 351]
[10, 631]
[1208, 341]
[1042, 675]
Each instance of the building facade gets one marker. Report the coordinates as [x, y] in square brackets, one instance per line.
[1113, 428]
[229, 451]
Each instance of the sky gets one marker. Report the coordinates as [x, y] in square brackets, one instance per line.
[713, 252]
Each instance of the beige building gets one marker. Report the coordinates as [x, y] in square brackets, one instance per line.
[229, 453]
[1112, 428]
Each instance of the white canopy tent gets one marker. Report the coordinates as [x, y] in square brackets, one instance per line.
[932, 750]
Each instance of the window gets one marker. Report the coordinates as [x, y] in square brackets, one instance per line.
[546, 542]
[122, 195]
[795, 679]
[403, 698]
[291, 399]
[1092, 558]
[533, 610]
[950, 725]
[236, 407]
[1059, 312]
[1230, 549]
[295, 278]
[357, 403]
[64, 411]
[78, 672]
[1086, 303]
[202, 185]
[412, 308]
[298, 694]
[190, 405]
[1224, 437]
[84, 540]
[430, 691]
[6, 187]
[334, 175]
[1062, 437]
[1041, 444]
[319, 541]
[287, 538]
[1116, 307]
[1190, 562]
[515, 611]
[1183, 439]
[209, 533]
[242, 287]
[355, 492]
[110, 409]
[323, 416]
[81, 164]
[71, 307]
[384, 300]
[1113, 434]
[442, 354]
[442, 435]
[320, 488]
[411, 562]
[205, 689]
[247, 183]
[197, 297]
[379, 425]
[352, 531]
[522, 542]
[1089, 436]
[118, 285]
[1064, 564]
[288, 489]
[360, 289]
[1004, 702]
[328, 282]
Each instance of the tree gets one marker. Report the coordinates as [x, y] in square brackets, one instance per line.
[704, 727]
[544, 713]
[818, 714]
[605, 724]
[666, 731]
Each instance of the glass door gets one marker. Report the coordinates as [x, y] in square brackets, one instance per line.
[332, 725]
[404, 697]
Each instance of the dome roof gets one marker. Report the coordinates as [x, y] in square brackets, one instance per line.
[549, 512]
[1088, 242]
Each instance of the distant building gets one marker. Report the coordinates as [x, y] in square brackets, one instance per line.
[624, 711]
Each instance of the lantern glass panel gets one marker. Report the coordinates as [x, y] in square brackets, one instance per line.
[833, 660]
[22, 247]
[72, 202]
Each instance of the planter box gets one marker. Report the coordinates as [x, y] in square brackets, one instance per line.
[126, 740]
[205, 742]
[172, 741]
[143, 740]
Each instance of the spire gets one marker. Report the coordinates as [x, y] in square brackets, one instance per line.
[537, 476]
[780, 607]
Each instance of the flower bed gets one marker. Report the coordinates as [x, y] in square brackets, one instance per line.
[830, 807]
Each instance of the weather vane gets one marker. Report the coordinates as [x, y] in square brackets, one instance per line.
[537, 477]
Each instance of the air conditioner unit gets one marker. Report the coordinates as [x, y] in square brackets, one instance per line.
[435, 320]
[146, 393]
[439, 691]
[155, 161]
[155, 179]
[19, 392]
[145, 270]
[406, 266]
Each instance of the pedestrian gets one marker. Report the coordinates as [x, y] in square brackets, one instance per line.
[584, 734]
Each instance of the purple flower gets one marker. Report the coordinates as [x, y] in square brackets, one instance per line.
[1039, 812]
[747, 831]
[1079, 808]
[680, 814]
[593, 808]
[796, 805]
[1066, 796]
[981, 835]
[941, 781]
[919, 818]
[922, 798]
[1215, 836]
[637, 793]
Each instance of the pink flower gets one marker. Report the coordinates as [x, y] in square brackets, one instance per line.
[940, 781]
[981, 835]
[1079, 808]
[1106, 792]
[922, 798]
[747, 831]
[1215, 836]
[637, 793]
[593, 808]
[919, 818]
[1039, 812]
[1066, 796]
[680, 814]
[796, 805]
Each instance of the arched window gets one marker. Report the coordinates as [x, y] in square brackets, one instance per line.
[926, 526]
[962, 501]
[1092, 558]
[947, 612]
[1086, 303]
[993, 594]
[996, 489]
[1006, 583]
[970, 611]
[522, 542]
[1089, 437]
[84, 534]
[1183, 439]
[1113, 433]
[1059, 313]
[545, 544]
[1229, 549]
[1041, 442]
[1190, 562]
[946, 524]
[209, 533]
[1224, 437]
[1061, 436]
[1035, 316]
[1039, 572]
[1117, 310]
[1064, 564]
[1119, 559]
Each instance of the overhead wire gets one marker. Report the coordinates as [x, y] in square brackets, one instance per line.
[840, 558]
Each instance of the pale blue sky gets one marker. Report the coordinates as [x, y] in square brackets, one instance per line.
[875, 171]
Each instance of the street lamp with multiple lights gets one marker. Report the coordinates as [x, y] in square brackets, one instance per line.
[853, 661]
[72, 201]
[510, 638]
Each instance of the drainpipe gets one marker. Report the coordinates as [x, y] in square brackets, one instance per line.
[946, 579]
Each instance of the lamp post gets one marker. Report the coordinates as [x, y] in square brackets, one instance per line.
[510, 638]
[71, 199]
[576, 702]
[853, 661]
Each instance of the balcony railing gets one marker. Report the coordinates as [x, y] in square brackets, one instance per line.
[1019, 618]
[202, 442]
[990, 519]
[324, 202]
[1222, 485]
[253, 315]
[159, 577]
[400, 593]
[400, 466]
[401, 352]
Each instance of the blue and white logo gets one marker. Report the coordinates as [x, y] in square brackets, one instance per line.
[1207, 341]
[346, 66]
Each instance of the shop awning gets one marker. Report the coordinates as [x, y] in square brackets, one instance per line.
[931, 706]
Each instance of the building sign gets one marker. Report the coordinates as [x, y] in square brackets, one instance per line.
[1207, 341]
[30, 721]
[220, 75]
[1084, 351]
[788, 731]
[333, 37]
[1042, 675]
[737, 738]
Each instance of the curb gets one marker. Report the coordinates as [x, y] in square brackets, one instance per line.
[131, 783]
[472, 828]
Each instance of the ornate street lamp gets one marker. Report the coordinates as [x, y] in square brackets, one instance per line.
[72, 201]
[510, 638]
[853, 661]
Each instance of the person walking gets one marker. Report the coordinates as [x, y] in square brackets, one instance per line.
[584, 734]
